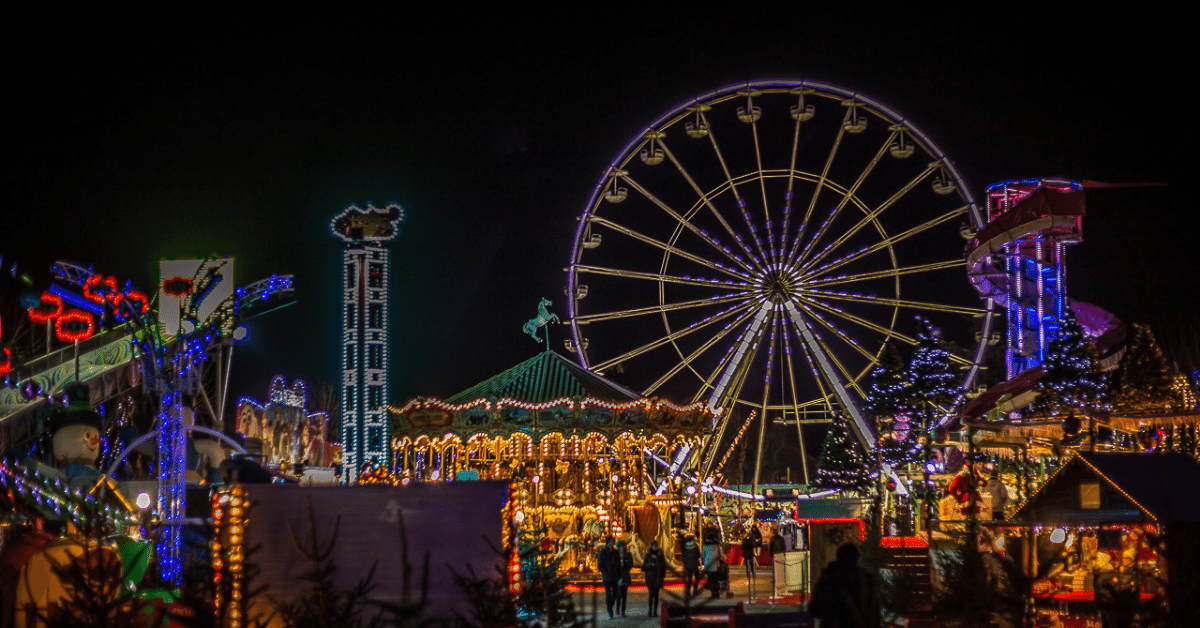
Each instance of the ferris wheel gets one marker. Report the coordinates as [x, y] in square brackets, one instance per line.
[755, 247]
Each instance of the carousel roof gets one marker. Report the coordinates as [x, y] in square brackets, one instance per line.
[546, 377]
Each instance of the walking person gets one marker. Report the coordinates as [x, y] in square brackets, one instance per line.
[845, 596]
[712, 563]
[751, 544]
[777, 547]
[608, 561]
[623, 582]
[691, 566]
[654, 568]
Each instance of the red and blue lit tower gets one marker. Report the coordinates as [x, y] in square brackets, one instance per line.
[1018, 259]
[366, 270]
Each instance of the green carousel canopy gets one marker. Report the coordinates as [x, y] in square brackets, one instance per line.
[547, 393]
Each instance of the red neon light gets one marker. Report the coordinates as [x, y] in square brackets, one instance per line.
[40, 315]
[6, 362]
[177, 286]
[99, 288]
[140, 301]
[903, 541]
[74, 325]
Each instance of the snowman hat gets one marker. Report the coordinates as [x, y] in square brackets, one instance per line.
[78, 411]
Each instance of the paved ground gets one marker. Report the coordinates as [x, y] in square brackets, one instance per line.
[591, 600]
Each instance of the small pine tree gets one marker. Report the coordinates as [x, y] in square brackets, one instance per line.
[543, 585]
[1071, 379]
[888, 397]
[1143, 382]
[979, 589]
[842, 465]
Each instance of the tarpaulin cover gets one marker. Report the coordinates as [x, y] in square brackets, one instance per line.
[449, 521]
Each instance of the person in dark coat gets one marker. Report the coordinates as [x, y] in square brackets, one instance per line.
[750, 546]
[691, 566]
[845, 596]
[623, 582]
[609, 563]
[1117, 595]
[654, 569]
[712, 564]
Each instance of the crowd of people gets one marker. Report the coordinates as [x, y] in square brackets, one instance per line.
[706, 557]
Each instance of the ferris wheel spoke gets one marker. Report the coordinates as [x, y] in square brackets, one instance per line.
[886, 274]
[812, 202]
[837, 209]
[700, 233]
[829, 367]
[791, 368]
[654, 344]
[737, 197]
[840, 333]
[741, 352]
[905, 303]
[691, 257]
[854, 318]
[707, 202]
[887, 242]
[787, 197]
[870, 217]
[695, 354]
[887, 333]
[762, 184]
[658, 309]
[827, 398]
[635, 274]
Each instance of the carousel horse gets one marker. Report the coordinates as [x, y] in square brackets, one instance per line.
[541, 320]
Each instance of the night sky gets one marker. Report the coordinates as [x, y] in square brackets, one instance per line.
[243, 133]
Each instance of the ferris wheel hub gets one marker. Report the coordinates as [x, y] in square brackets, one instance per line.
[778, 285]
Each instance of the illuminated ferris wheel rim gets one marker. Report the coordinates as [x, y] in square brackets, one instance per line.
[704, 102]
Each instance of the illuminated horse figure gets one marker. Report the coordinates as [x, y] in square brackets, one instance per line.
[542, 319]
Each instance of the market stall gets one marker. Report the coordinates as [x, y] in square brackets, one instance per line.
[1111, 533]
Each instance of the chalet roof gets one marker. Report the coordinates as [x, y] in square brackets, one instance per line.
[1164, 486]
[546, 377]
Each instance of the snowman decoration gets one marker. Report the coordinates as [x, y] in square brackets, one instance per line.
[76, 434]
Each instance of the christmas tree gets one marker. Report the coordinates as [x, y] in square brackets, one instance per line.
[889, 403]
[842, 465]
[1143, 381]
[933, 377]
[1071, 379]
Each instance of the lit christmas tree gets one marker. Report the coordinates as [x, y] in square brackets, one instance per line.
[933, 377]
[1071, 379]
[889, 402]
[1143, 381]
[842, 465]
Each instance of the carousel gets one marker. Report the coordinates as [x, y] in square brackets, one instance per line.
[585, 456]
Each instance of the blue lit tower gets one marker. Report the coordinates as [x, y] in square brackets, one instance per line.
[365, 276]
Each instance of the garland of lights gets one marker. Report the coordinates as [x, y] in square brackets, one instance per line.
[230, 535]
[52, 496]
[644, 403]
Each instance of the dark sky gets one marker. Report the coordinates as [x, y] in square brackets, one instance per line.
[242, 133]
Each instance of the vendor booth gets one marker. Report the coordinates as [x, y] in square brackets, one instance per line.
[1108, 529]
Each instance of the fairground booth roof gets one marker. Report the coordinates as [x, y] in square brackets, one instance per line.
[547, 393]
[1112, 488]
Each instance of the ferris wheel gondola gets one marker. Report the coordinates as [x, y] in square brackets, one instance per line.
[748, 248]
